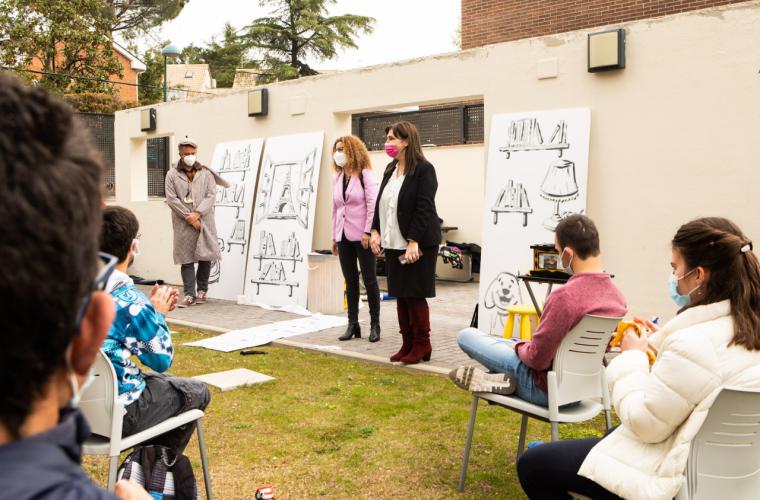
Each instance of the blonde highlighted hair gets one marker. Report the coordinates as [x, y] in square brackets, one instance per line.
[357, 156]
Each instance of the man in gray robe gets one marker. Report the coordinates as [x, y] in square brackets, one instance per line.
[191, 193]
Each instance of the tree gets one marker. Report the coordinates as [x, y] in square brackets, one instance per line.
[297, 29]
[131, 16]
[59, 37]
[222, 57]
[152, 79]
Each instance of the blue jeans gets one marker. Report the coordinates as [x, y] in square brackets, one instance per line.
[498, 355]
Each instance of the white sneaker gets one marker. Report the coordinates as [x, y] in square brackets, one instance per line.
[474, 379]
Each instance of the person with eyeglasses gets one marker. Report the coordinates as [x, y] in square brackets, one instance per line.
[55, 311]
[140, 330]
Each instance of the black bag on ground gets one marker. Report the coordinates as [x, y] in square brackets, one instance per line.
[163, 473]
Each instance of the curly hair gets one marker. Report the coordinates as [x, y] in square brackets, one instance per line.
[357, 156]
[50, 212]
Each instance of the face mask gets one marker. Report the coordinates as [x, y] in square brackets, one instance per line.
[135, 247]
[189, 160]
[340, 158]
[567, 268]
[391, 150]
[76, 389]
[680, 300]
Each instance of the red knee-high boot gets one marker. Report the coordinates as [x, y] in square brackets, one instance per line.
[405, 328]
[419, 315]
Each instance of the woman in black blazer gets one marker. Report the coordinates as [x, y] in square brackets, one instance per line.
[406, 225]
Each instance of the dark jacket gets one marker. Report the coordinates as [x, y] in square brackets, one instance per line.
[48, 465]
[417, 217]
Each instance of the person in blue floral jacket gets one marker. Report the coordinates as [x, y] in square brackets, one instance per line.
[140, 330]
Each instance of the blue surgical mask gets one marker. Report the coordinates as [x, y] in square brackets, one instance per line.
[679, 299]
[567, 268]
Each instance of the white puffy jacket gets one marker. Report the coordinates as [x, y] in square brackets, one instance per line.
[663, 409]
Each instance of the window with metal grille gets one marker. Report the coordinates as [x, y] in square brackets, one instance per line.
[158, 165]
[438, 126]
[101, 128]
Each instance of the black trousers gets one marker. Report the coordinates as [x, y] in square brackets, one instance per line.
[166, 396]
[348, 253]
[189, 277]
[550, 470]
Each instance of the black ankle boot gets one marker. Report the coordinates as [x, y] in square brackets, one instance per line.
[374, 332]
[352, 331]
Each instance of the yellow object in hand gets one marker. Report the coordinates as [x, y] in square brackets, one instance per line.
[623, 327]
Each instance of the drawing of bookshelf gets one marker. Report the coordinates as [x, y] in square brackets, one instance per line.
[232, 196]
[513, 198]
[237, 237]
[290, 250]
[525, 135]
[237, 161]
[274, 274]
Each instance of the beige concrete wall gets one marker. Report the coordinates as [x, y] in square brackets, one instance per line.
[673, 135]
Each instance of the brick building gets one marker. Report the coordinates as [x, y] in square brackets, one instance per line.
[485, 22]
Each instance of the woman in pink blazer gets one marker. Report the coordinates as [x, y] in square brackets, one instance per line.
[354, 195]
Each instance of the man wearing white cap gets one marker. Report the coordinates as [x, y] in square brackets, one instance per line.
[190, 193]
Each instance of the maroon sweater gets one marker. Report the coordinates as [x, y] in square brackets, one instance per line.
[584, 293]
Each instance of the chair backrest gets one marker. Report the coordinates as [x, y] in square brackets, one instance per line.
[724, 461]
[578, 362]
[99, 402]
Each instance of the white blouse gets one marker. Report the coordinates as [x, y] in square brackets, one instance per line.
[389, 231]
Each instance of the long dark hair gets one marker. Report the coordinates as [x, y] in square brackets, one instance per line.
[719, 245]
[407, 131]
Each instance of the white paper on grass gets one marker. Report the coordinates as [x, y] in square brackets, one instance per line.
[232, 379]
[264, 334]
[238, 163]
[517, 209]
[283, 220]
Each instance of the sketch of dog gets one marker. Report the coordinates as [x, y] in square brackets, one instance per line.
[504, 291]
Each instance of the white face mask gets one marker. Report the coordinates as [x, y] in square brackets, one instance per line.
[135, 247]
[340, 158]
[189, 160]
[76, 389]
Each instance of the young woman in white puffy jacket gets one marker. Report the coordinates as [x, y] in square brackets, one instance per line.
[713, 342]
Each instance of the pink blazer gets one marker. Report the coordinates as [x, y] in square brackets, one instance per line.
[354, 215]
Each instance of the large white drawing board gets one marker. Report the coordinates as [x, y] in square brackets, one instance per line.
[537, 173]
[238, 163]
[283, 220]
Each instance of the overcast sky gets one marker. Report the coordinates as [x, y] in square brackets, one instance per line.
[403, 28]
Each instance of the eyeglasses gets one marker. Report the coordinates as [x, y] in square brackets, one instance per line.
[106, 265]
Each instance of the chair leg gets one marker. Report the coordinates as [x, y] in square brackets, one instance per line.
[468, 442]
[204, 457]
[113, 467]
[555, 431]
[523, 433]
[608, 419]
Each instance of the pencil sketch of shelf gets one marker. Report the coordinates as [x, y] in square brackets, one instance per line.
[237, 161]
[238, 236]
[525, 135]
[290, 250]
[232, 196]
[274, 275]
[513, 198]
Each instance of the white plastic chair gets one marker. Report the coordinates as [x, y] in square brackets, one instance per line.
[724, 460]
[577, 375]
[104, 414]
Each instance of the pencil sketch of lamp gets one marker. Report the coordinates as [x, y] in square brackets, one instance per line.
[559, 186]
[525, 135]
[512, 199]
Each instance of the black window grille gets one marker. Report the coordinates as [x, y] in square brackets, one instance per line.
[101, 128]
[158, 165]
[439, 126]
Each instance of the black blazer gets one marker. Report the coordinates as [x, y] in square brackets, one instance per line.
[417, 217]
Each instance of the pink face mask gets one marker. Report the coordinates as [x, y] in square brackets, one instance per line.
[391, 150]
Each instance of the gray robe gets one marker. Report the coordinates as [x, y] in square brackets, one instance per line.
[191, 245]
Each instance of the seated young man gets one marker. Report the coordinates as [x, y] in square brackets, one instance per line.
[521, 366]
[140, 330]
[54, 316]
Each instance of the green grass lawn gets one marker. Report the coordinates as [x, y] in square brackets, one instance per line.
[340, 428]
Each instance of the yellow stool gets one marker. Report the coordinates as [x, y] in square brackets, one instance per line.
[528, 321]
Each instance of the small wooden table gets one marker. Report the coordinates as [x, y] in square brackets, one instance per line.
[528, 279]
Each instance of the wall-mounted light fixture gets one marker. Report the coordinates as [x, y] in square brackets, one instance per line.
[148, 119]
[258, 102]
[606, 50]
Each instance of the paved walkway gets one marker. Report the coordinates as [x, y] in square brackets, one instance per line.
[450, 311]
